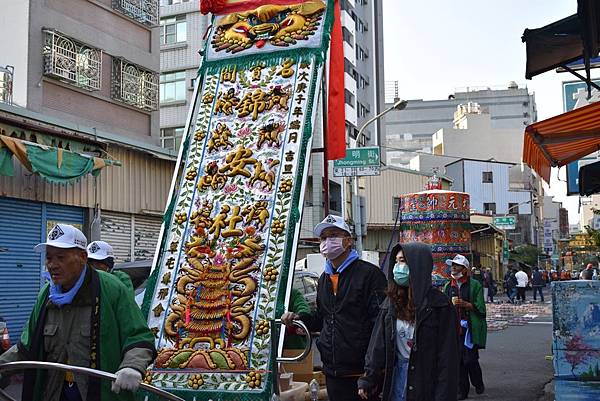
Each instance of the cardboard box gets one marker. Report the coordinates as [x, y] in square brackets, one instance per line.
[318, 376]
[305, 367]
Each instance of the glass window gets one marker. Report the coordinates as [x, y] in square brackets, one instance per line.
[172, 87]
[170, 138]
[171, 2]
[298, 284]
[173, 30]
[487, 176]
[310, 283]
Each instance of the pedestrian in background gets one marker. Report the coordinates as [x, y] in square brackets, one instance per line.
[488, 285]
[349, 293]
[101, 257]
[522, 281]
[477, 274]
[510, 283]
[413, 352]
[467, 296]
[537, 283]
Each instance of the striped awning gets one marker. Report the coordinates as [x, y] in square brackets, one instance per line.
[560, 140]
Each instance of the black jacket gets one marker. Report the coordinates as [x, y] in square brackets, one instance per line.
[346, 320]
[433, 363]
[536, 279]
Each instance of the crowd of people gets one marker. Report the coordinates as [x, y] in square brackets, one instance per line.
[394, 337]
[389, 336]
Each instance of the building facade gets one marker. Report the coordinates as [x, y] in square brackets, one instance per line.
[86, 85]
[487, 183]
[182, 36]
[364, 94]
[409, 131]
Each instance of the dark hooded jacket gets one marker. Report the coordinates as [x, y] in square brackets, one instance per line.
[433, 363]
[345, 320]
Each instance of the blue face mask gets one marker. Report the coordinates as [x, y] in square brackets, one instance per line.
[401, 273]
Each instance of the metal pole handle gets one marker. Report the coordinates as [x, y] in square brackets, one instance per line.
[306, 351]
[10, 366]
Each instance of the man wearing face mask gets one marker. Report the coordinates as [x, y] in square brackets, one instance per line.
[467, 296]
[349, 293]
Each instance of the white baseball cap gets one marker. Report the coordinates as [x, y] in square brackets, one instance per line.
[100, 250]
[63, 236]
[331, 221]
[459, 260]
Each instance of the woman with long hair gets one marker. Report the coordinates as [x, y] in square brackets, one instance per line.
[413, 352]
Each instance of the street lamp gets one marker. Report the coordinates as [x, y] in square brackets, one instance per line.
[517, 205]
[398, 105]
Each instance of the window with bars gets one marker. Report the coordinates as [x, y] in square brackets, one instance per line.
[489, 208]
[6, 83]
[170, 138]
[395, 206]
[172, 87]
[143, 11]
[134, 85]
[173, 30]
[70, 61]
[487, 177]
[171, 2]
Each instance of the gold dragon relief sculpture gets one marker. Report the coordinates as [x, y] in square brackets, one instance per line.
[279, 25]
[209, 322]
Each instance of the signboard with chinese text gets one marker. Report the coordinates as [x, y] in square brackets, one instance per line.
[224, 264]
[358, 162]
[505, 222]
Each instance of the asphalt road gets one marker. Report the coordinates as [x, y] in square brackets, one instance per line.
[514, 363]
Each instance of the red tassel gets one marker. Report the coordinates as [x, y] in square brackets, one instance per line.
[336, 113]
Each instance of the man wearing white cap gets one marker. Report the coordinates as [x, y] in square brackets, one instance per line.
[349, 293]
[82, 317]
[467, 296]
[101, 257]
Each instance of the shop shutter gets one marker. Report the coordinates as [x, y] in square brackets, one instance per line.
[147, 229]
[116, 230]
[20, 230]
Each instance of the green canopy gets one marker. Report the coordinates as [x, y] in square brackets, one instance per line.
[55, 165]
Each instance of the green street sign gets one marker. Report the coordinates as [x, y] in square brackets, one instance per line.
[505, 253]
[506, 222]
[359, 157]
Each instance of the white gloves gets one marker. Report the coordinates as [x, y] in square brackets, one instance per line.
[127, 379]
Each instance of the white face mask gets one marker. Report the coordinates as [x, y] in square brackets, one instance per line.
[457, 276]
[332, 247]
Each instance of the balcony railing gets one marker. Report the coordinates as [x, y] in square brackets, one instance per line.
[6, 84]
[71, 61]
[134, 85]
[143, 11]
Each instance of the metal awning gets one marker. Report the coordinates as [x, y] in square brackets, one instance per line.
[565, 41]
[560, 140]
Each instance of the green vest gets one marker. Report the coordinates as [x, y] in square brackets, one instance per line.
[477, 321]
[117, 327]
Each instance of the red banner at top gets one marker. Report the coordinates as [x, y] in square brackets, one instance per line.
[229, 6]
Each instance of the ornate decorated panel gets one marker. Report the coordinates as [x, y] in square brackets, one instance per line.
[230, 234]
[441, 219]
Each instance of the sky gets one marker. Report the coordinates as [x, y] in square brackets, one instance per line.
[435, 47]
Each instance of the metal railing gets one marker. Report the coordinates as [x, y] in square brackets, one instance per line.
[143, 11]
[12, 366]
[6, 83]
[134, 85]
[71, 61]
